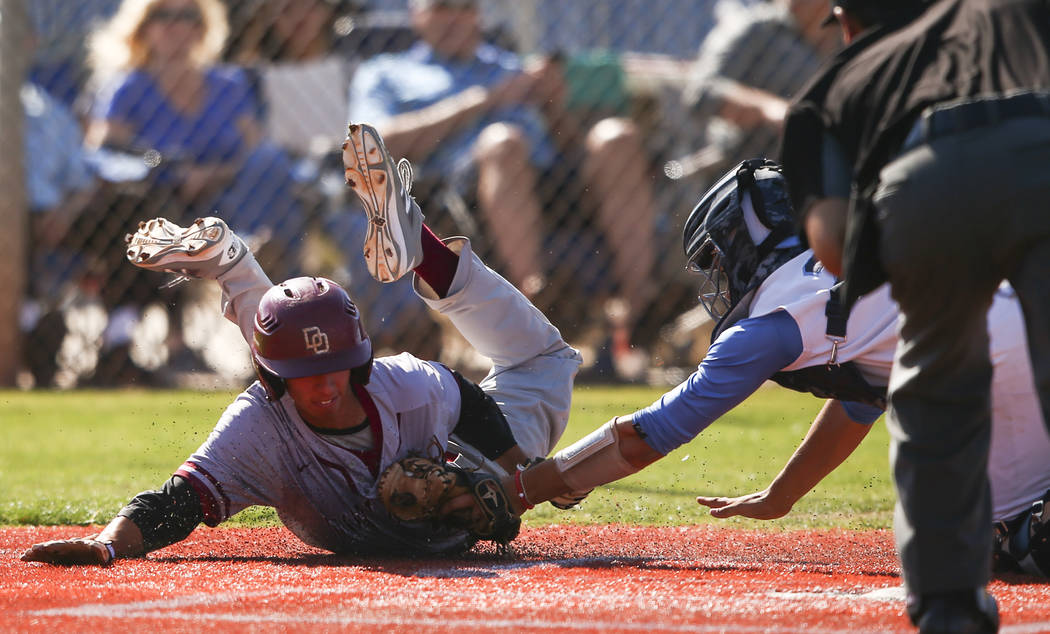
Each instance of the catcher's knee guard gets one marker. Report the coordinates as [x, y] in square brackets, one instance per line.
[593, 460]
[1022, 544]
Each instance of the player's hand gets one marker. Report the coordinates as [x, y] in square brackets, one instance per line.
[549, 89]
[759, 505]
[541, 83]
[85, 551]
[464, 510]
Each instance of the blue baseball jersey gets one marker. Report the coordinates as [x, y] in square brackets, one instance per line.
[785, 330]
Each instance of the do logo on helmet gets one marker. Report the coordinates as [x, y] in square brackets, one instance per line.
[308, 326]
[316, 340]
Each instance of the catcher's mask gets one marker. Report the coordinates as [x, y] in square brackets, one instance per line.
[741, 230]
[308, 326]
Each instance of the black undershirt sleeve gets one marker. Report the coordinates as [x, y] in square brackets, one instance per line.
[801, 158]
[165, 516]
[836, 169]
[481, 423]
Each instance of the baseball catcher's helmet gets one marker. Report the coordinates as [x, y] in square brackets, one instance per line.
[308, 326]
[739, 233]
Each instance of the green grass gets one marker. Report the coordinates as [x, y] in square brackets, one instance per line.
[78, 457]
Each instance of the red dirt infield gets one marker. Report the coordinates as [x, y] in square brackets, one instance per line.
[555, 579]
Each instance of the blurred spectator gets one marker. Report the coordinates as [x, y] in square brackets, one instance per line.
[59, 184]
[493, 127]
[172, 133]
[292, 49]
[664, 27]
[753, 59]
[303, 80]
[659, 27]
[60, 27]
[161, 96]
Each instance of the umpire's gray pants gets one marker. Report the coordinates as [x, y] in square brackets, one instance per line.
[957, 215]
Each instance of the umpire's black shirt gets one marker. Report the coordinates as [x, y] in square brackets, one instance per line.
[853, 117]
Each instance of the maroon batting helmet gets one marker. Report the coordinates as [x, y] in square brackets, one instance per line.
[308, 326]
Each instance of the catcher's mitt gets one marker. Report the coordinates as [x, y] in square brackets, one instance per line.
[415, 488]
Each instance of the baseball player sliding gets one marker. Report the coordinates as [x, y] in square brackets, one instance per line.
[313, 436]
[778, 319]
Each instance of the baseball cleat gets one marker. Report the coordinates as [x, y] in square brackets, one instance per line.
[393, 244]
[205, 249]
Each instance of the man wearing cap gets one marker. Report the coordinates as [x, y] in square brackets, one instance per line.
[918, 156]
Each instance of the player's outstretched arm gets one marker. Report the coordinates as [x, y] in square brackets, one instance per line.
[831, 439]
[152, 520]
[120, 538]
[613, 451]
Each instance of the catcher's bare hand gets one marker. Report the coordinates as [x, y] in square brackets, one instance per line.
[85, 551]
[759, 505]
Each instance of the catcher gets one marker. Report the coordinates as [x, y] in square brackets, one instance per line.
[350, 450]
[777, 319]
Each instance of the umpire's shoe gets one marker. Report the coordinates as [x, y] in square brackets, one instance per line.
[205, 249]
[962, 612]
[393, 244]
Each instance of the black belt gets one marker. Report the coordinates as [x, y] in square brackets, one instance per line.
[952, 117]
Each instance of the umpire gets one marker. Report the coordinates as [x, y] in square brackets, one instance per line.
[920, 155]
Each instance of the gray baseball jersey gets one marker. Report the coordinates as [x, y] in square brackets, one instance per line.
[262, 453]
[323, 486]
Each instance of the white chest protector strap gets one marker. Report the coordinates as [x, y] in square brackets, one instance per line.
[594, 459]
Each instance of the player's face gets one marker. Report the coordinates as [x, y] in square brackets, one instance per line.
[324, 400]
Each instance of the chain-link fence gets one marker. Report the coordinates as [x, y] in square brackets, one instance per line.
[568, 138]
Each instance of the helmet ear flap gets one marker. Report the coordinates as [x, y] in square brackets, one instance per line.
[273, 384]
[362, 373]
[746, 182]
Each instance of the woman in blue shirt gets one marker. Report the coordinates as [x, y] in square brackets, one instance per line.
[162, 96]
